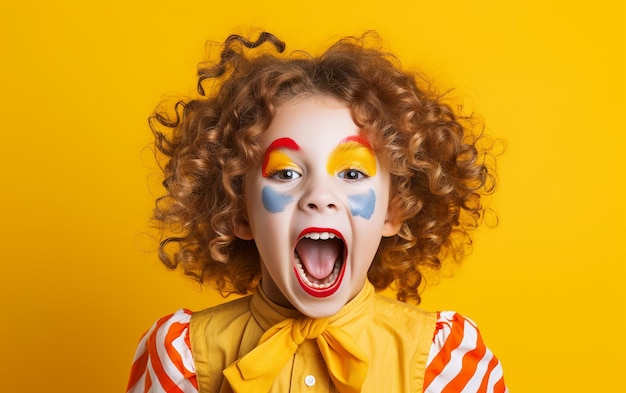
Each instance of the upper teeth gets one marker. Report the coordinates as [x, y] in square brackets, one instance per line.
[320, 235]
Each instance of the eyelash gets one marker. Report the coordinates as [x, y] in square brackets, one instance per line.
[277, 174]
[359, 174]
[287, 174]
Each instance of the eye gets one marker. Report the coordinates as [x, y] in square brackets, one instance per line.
[352, 174]
[285, 174]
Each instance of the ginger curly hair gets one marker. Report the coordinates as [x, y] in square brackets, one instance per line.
[209, 143]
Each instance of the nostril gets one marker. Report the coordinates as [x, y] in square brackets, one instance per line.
[313, 206]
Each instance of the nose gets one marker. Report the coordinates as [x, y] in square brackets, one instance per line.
[319, 197]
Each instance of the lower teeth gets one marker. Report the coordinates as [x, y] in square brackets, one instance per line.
[327, 282]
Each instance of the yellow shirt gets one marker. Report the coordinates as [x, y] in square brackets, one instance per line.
[395, 336]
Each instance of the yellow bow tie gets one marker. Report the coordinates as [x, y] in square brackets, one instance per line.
[257, 370]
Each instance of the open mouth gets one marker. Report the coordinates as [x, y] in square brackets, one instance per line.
[319, 261]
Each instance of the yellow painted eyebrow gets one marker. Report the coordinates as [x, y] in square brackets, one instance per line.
[275, 159]
[352, 153]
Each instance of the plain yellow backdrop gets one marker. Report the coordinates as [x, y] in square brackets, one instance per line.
[78, 280]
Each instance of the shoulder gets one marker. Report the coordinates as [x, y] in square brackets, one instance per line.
[163, 358]
[398, 311]
[407, 323]
[459, 358]
[214, 320]
[232, 308]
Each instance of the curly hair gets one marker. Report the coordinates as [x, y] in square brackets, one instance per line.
[209, 143]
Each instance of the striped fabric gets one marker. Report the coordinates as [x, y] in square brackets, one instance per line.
[163, 360]
[459, 361]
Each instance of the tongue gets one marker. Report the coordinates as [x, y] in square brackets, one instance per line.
[319, 256]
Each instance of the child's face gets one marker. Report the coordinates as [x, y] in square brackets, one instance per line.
[317, 204]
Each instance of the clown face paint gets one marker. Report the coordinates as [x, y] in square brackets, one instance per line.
[277, 162]
[275, 202]
[363, 204]
[353, 153]
[317, 205]
[353, 157]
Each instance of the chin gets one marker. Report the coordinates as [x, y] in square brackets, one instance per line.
[315, 307]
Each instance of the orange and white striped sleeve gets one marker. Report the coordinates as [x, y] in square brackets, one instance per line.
[459, 361]
[163, 361]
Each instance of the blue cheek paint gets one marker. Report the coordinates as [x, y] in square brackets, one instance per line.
[273, 201]
[363, 204]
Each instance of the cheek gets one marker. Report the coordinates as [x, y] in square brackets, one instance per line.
[274, 201]
[363, 204]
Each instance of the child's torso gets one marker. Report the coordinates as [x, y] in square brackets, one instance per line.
[396, 340]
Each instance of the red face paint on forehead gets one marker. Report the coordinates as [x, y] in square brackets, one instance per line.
[280, 143]
[358, 139]
[284, 143]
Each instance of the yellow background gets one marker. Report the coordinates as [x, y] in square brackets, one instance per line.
[78, 283]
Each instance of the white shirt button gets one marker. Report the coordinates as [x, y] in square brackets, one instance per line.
[309, 380]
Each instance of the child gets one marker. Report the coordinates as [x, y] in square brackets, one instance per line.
[309, 183]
